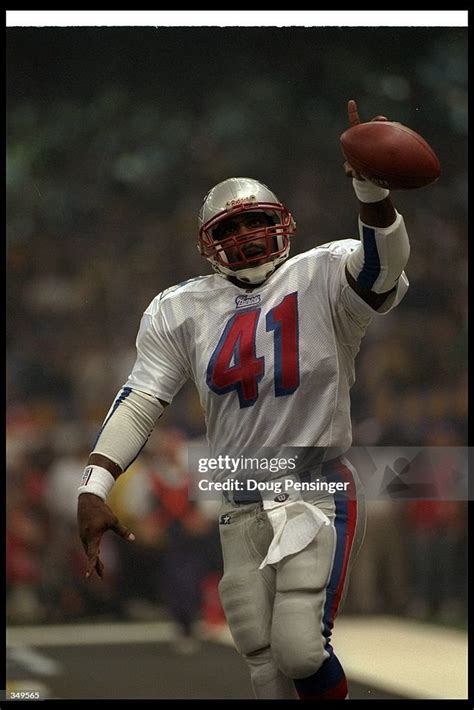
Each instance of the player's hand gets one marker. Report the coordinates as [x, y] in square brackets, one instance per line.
[354, 120]
[94, 518]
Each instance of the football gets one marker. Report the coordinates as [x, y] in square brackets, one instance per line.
[390, 155]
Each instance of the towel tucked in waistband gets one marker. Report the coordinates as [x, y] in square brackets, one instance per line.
[295, 524]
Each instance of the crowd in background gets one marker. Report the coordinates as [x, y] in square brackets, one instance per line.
[105, 179]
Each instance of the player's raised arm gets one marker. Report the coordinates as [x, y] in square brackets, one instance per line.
[374, 268]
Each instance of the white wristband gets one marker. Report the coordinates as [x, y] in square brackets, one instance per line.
[96, 480]
[367, 191]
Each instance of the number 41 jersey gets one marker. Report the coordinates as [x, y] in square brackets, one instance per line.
[274, 364]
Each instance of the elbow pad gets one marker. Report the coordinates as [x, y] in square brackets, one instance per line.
[127, 426]
[379, 260]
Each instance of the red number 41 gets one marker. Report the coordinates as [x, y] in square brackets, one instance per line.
[234, 364]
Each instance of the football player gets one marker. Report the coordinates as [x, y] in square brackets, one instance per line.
[270, 342]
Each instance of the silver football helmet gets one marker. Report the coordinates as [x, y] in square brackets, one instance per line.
[232, 197]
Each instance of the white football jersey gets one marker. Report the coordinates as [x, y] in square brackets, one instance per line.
[273, 365]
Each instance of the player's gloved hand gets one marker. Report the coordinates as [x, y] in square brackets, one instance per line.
[94, 518]
[354, 120]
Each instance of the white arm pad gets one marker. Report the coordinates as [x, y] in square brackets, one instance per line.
[381, 257]
[127, 426]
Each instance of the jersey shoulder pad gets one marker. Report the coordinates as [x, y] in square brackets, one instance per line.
[340, 247]
[184, 286]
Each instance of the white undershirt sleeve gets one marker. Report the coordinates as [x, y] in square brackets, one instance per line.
[159, 371]
[127, 426]
[383, 253]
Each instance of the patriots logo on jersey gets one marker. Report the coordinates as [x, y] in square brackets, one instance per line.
[245, 301]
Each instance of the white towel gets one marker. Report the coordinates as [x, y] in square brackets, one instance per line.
[295, 524]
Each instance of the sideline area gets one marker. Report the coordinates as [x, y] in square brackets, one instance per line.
[409, 658]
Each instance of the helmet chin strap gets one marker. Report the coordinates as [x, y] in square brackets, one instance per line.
[253, 275]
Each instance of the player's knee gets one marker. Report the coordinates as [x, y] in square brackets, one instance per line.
[262, 666]
[300, 657]
[297, 641]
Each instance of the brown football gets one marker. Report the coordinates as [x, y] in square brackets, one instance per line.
[390, 155]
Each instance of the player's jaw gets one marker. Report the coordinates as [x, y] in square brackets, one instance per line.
[248, 251]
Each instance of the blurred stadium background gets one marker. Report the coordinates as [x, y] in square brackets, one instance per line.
[113, 138]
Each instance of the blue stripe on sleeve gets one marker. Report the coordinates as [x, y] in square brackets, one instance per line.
[122, 396]
[371, 269]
